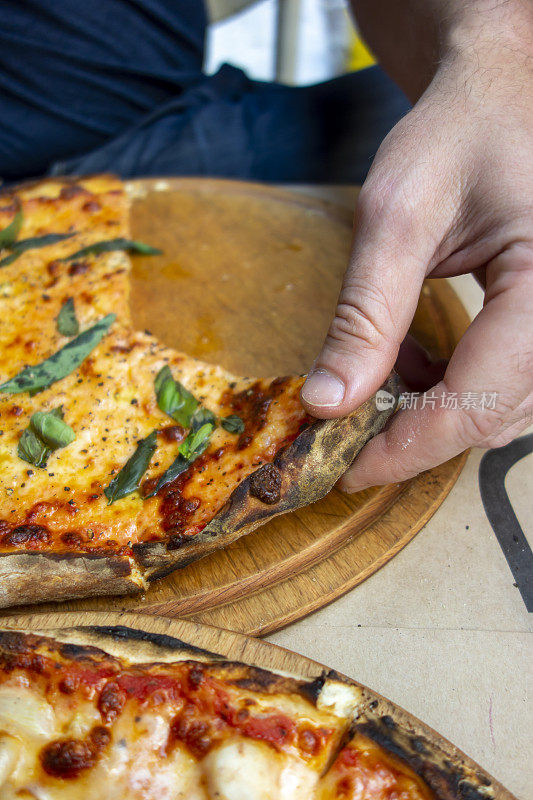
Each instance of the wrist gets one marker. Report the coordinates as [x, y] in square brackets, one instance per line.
[497, 30]
[486, 51]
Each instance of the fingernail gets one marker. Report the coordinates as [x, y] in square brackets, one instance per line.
[323, 389]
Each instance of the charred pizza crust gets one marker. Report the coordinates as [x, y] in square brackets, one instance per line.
[363, 715]
[307, 470]
[36, 566]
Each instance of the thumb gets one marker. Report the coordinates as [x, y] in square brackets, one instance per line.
[376, 304]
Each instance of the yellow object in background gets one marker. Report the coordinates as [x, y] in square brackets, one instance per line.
[359, 56]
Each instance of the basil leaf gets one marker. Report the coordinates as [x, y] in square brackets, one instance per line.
[196, 442]
[233, 424]
[191, 447]
[62, 363]
[5, 262]
[173, 398]
[32, 449]
[178, 466]
[46, 432]
[8, 240]
[9, 234]
[67, 324]
[129, 477]
[109, 245]
[35, 242]
[202, 416]
[163, 375]
[51, 429]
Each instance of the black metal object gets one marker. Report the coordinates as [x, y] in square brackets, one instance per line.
[493, 468]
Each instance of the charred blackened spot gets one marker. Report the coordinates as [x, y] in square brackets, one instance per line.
[27, 536]
[468, 791]
[265, 484]
[111, 701]
[419, 746]
[176, 541]
[66, 758]
[312, 689]
[78, 268]
[16, 411]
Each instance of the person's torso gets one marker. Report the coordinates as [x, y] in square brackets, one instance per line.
[75, 72]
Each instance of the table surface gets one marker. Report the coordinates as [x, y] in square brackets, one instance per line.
[441, 629]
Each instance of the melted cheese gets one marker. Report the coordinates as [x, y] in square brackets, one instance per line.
[247, 770]
[236, 743]
[24, 713]
[109, 401]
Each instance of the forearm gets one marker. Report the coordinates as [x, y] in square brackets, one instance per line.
[412, 38]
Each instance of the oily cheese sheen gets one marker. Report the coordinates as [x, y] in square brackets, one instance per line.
[75, 718]
[59, 535]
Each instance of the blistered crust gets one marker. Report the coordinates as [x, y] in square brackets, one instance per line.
[35, 577]
[308, 469]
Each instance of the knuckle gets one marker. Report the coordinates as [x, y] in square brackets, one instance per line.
[390, 201]
[512, 427]
[493, 427]
[379, 200]
[476, 428]
[351, 323]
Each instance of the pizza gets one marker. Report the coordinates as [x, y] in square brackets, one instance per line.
[123, 713]
[121, 459]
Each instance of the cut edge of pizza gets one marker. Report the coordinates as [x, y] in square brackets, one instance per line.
[78, 704]
[122, 459]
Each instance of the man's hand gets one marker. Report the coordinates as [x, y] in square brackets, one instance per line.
[450, 192]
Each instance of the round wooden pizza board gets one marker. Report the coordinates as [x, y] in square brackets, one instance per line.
[236, 647]
[249, 279]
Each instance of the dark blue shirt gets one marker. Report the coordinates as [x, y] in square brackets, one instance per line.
[75, 73]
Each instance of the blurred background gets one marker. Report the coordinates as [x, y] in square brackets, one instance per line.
[297, 42]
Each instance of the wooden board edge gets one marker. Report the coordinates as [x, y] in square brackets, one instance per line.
[410, 497]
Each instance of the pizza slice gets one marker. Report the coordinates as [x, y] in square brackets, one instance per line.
[364, 769]
[122, 459]
[148, 717]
